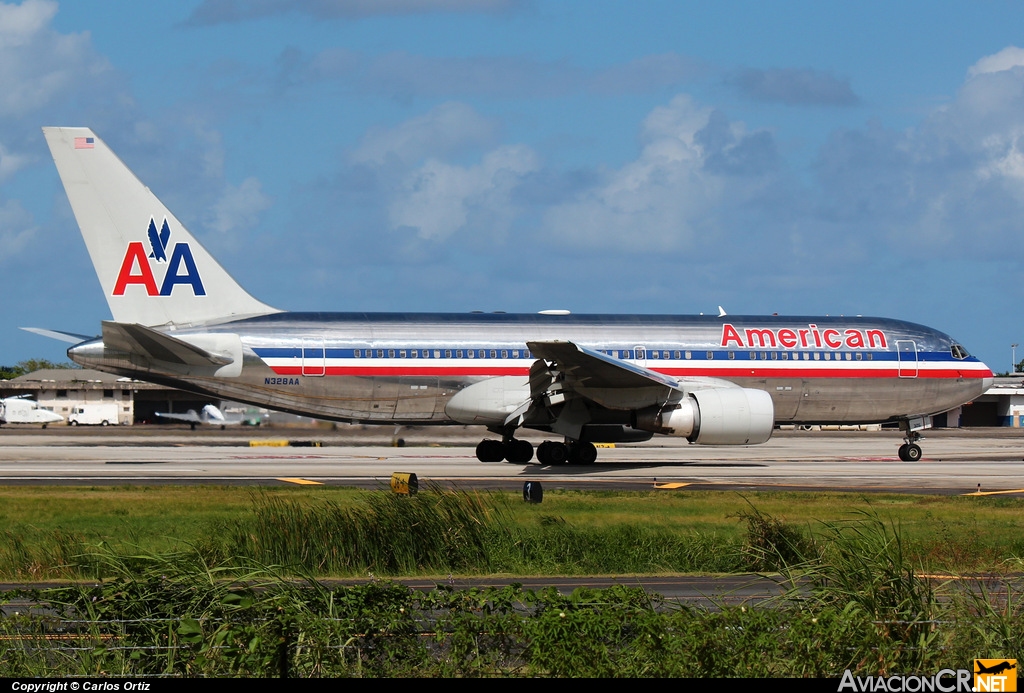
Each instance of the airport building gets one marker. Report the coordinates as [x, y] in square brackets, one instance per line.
[62, 390]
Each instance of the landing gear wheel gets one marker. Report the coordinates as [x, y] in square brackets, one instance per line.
[582, 453]
[913, 452]
[490, 451]
[518, 451]
[903, 452]
[544, 452]
[557, 453]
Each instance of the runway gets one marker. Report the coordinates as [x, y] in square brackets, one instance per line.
[955, 462]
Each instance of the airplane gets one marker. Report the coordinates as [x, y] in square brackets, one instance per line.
[180, 320]
[210, 415]
[20, 410]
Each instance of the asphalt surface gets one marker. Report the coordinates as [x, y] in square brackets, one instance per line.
[955, 461]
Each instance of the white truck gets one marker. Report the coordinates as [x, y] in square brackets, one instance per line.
[93, 414]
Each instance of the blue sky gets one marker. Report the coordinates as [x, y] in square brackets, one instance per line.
[655, 157]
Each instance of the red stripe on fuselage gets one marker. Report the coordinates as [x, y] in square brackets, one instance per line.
[370, 371]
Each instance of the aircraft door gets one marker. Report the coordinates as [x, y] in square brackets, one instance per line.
[906, 353]
[640, 356]
[314, 358]
[786, 395]
[417, 397]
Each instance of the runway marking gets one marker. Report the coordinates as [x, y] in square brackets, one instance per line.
[135, 462]
[994, 493]
[302, 482]
[671, 485]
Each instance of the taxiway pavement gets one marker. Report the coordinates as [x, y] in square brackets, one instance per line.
[955, 462]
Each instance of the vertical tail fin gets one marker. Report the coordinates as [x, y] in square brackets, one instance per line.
[152, 270]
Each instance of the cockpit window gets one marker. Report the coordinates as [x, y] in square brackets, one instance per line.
[958, 351]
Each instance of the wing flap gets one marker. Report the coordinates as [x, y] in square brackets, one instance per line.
[608, 381]
[592, 369]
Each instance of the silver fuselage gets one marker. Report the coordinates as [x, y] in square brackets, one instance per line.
[403, 368]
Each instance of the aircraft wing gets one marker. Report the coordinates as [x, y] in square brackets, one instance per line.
[611, 382]
[190, 417]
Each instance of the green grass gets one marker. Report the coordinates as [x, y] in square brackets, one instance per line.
[339, 531]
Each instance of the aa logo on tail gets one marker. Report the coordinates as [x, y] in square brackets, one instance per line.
[137, 269]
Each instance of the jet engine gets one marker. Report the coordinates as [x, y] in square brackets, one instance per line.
[715, 416]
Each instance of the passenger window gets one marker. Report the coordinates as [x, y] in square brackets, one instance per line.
[447, 353]
[437, 353]
[676, 355]
[504, 353]
[732, 355]
[458, 354]
[494, 354]
[860, 357]
[391, 353]
[817, 356]
[711, 355]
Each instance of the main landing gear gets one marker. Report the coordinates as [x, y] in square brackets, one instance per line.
[549, 452]
[511, 449]
[572, 452]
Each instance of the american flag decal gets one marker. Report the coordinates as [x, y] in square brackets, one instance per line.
[84, 142]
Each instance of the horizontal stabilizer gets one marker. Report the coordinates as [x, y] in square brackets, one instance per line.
[69, 337]
[157, 346]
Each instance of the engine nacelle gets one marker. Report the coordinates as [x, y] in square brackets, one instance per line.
[716, 416]
[489, 401]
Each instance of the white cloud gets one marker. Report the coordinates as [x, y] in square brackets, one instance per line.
[440, 199]
[239, 206]
[445, 129]
[11, 163]
[37, 64]
[1006, 59]
[959, 172]
[658, 201]
[16, 229]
